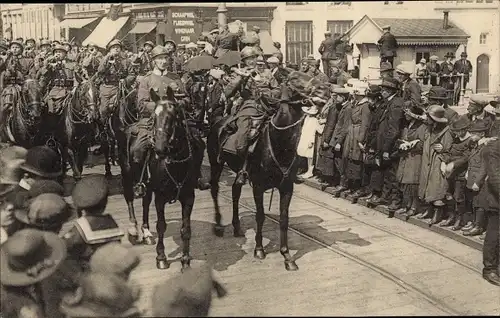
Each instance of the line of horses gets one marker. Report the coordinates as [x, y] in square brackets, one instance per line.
[172, 162]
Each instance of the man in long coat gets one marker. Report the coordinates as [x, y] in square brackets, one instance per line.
[490, 156]
[388, 45]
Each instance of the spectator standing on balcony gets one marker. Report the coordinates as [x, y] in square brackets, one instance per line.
[421, 72]
[388, 45]
[433, 69]
[463, 66]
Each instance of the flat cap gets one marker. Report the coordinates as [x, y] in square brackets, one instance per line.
[115, 259]
[481, 100]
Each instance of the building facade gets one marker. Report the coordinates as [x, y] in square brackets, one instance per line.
[32, 20]
[300, 28]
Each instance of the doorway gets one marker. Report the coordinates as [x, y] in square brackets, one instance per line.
[483, 74]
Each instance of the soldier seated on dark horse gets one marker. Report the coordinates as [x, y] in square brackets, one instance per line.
[77, 125]
[273, 163]
[23, 111]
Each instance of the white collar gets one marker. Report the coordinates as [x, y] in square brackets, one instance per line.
[25, 185]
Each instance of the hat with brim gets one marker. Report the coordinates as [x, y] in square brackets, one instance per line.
[479, 100]
[450, 54]
[391, 83]
[43, 162]
[158, 51]
[16, 42]
[434, 58]
[461, 123]
[438, 93]
[406, 69]
[415, 112]
[46, 211]
[373, 91]
[437, 113]
[50, 249]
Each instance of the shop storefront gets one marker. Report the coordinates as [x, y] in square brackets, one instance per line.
[149, 24]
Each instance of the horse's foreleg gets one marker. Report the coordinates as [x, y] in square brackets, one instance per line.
[215, 173]
[286, 192]
[258, 196]
[187, 207]
[134, 230]
[161, 227]
[105, 150]
[146, 202]
[73, 157]
[236, 194]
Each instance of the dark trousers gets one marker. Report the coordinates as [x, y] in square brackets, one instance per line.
[491, 247]
[383, 180]
[326, 67]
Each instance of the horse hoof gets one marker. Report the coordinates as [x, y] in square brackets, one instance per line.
[134, 240]
[259, 254]
[162, 264]
[149, 241]
[238, 232]
[291, 266]
[219, 230]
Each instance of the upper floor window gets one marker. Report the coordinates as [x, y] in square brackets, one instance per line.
[482, 38]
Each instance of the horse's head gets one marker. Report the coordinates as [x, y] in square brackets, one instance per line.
[32, 98]
[86, 96]
[167, 117]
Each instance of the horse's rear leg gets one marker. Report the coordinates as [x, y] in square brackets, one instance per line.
[236, 194]
[105, 150]
[258, 196]
[146, 202]
[73, 157]
[286, 192]
[215, 173]
[161, 227]
[187, 203]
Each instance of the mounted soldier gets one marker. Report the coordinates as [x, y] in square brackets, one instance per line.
[158, 79]
[145, 56]
[58, 77]
[113, 71]
[91, 60]
[256, 93]
[30, 48]
[17, 61]
[43, 54]
[171, 47]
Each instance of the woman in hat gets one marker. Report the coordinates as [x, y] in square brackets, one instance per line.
[410, 149]
[433, 69]
[28, 258]
[433, 186]
[447, 81]
[357, 126]
[421, 72]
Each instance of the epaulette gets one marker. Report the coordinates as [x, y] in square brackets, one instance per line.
[98, 229]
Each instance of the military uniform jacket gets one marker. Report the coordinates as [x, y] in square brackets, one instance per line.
[112, 73]
[23, 65]
[59, 79]
[327, 49]
[159, 83]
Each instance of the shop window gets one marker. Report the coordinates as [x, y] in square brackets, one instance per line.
[299, 40]
[339, 26]
[482, 38]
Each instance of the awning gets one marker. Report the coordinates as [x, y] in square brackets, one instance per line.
[76, 23]
[105, 31]
[143, 27]
[266, 43]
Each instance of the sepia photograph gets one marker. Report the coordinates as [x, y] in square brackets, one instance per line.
[231, 159]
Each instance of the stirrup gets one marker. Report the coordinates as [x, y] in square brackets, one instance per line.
[139, 190]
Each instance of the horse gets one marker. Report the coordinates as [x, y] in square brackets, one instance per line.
[75, 133]
[173, 175]
[23, 123]
[124, 101]
[273, 164]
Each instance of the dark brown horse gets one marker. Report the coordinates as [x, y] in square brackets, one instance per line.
[77, 126]
[23, 123]
[172, 170]
[273, 164]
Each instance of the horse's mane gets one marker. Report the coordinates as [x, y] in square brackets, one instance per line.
[32, 89]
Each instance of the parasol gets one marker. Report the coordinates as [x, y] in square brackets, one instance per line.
[199, 63]
[230, 58]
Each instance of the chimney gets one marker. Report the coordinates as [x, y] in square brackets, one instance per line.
[445, 19]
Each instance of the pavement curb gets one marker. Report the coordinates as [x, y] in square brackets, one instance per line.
[475, 243]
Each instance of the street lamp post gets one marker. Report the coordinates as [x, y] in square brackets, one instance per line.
[221, 14]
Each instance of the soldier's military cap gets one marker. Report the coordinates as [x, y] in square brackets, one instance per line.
[273, 59]
[67, 43]
[30, 39]
[201, 43]
[190, 45]
[260, 60]
[248, 51]
[115, 42]
[89, 192]
[20, 43]
[171, 41]
[149, 43]
[59, 47]
[158, 51]
[45, 42]
[216, 30]
[54, 42]
[181, 46]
